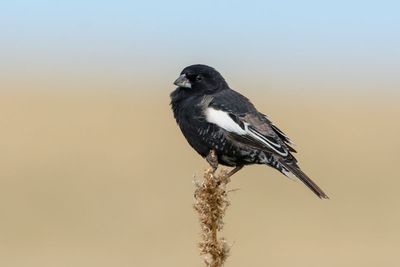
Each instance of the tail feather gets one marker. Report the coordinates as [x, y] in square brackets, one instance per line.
[294, 170]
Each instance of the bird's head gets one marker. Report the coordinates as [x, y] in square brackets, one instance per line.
[201, 79]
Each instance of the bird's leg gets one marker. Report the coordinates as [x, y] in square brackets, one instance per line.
[233, 171]
[212, 159]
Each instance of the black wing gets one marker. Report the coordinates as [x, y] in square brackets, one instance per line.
[258, 131]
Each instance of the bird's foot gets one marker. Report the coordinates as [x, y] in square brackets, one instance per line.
[212, 159]
[233, 171]
[226, 175]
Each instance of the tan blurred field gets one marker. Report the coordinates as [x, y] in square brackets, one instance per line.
[105, 179]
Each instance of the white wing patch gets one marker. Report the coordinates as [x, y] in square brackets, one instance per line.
[223, 120]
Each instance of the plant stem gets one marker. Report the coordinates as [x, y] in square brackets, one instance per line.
[211, 203]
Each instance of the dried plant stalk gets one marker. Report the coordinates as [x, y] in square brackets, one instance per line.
[210, 203]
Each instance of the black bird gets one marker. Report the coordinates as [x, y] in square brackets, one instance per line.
[214, 118]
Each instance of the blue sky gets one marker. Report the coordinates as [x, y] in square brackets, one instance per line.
[349, 42]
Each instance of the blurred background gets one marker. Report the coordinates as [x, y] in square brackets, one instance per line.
[95, 172]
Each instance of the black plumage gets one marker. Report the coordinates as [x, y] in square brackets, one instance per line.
[212, 116]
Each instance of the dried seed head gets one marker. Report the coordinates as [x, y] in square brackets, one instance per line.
[211, 203]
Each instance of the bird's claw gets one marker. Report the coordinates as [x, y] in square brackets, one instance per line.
[212, 159]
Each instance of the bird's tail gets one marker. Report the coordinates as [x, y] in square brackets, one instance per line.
[291, 170]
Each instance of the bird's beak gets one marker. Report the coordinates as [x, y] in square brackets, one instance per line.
[182, 81]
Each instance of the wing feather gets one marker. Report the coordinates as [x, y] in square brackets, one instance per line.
[248, 130]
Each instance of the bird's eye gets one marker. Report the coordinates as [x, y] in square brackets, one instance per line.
[199, 78]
